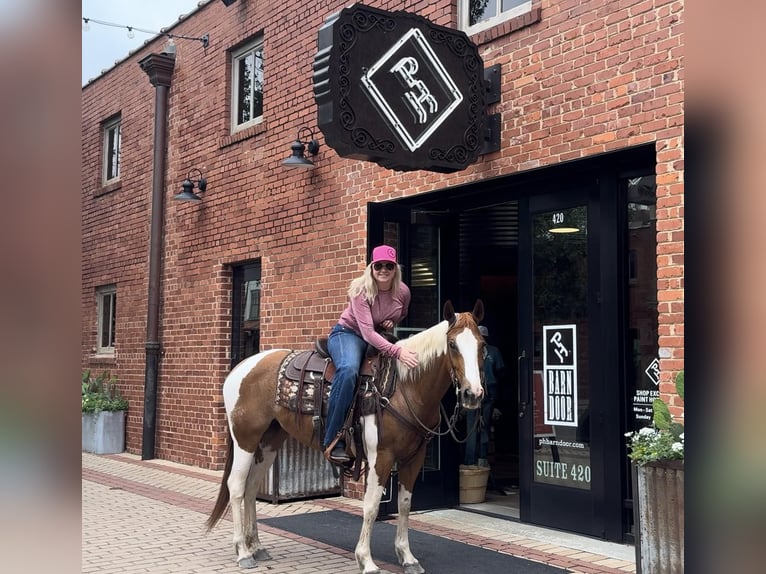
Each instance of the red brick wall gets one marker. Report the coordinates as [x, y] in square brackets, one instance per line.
[586, 78]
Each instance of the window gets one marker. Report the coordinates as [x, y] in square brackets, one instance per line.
[111, 160]
[106, 298]
[247, 85]
[477, 15]
[253, 300]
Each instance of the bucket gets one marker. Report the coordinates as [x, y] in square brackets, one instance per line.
[473, 484]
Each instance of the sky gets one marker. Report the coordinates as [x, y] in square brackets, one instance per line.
[103, 45]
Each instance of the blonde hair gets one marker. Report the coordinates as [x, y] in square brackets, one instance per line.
[366, 285]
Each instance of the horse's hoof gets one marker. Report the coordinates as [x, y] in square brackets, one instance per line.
[247, 562]
[262, 554]
[414, 568]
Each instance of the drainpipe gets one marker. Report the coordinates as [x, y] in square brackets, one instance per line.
[159, 68]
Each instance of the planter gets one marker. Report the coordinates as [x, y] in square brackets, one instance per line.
[659, 518]
[473, 484]
[298, 472]
[103, 432]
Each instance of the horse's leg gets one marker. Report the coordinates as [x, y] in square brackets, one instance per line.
[264, 457]
[407, 476]
[377, 476]
[237, 482]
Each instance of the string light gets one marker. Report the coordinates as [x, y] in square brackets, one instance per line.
[131, 34]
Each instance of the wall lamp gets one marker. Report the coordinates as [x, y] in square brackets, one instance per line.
[188, 185]
[298, 159]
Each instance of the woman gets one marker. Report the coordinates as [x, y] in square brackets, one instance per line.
[378, 300]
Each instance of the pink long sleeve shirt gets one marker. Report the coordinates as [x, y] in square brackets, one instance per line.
[362, 317]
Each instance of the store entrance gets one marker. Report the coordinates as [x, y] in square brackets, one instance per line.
[462, 255]
[552, 256]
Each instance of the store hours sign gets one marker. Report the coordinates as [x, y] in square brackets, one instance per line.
[560, 374]
[398, 90]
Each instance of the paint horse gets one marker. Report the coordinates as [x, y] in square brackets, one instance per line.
[449, 353]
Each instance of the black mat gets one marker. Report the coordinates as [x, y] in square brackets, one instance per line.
[437, 555]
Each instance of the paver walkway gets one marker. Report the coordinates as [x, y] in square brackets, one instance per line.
[148, 517]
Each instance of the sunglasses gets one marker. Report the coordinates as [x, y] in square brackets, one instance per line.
[379, 266]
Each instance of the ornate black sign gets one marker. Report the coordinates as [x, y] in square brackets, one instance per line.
[398, 90]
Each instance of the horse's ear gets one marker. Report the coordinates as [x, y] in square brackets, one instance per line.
[449, 312]
[478, 311]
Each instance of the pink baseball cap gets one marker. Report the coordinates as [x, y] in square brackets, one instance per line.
[383, 253]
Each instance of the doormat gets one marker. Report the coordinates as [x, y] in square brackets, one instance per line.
[435, 553]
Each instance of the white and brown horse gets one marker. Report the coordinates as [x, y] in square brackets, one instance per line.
[451, 352]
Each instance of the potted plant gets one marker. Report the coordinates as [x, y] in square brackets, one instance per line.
[103, 414]
[657, 453]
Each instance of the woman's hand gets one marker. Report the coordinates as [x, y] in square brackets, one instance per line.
[408, 357]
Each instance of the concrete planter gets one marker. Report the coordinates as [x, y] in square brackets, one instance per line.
[659, 517]
[103, 432]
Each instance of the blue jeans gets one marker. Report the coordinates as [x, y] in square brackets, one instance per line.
[482, 437]
[346, 349]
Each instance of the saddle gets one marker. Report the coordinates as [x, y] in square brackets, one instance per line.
[305, 379]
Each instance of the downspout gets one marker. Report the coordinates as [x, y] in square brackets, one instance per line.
[159, 68]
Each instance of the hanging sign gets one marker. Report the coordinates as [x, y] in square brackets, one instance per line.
[396, 89]
[560, 374]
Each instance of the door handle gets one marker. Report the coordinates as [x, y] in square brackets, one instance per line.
[523, 384]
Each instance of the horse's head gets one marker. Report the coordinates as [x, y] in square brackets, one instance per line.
[465, 347]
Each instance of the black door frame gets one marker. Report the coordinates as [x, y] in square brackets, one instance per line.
[610, 502]
[435, 488]
[549, 505]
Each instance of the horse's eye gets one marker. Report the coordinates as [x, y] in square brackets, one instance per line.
[452, 345]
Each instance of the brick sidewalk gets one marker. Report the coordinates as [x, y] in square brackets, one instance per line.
[148, 517]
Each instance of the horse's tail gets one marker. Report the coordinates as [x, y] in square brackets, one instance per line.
[223, 492]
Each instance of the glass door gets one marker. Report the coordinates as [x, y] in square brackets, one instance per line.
[420, 239]
[558, 323]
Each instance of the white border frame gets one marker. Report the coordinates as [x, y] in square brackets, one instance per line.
[106, 126]
[494, 21]
[235, 56]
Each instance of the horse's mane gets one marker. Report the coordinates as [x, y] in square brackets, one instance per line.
[428, 344]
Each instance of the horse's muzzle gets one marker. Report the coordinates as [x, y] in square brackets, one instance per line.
[469, 400]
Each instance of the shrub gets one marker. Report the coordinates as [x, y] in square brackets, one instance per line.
[100, 393]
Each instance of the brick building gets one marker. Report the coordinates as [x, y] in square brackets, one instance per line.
[591, 128]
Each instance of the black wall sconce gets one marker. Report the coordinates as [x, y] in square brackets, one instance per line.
[298, 159]
[188, 185]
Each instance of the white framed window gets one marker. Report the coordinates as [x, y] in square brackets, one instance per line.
[111, 157]
[106, 303]
[478, 15]
[247, 85]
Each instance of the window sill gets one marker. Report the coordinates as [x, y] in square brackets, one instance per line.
[103, 359]
[107, 188]
[507, 27]
[242, 135]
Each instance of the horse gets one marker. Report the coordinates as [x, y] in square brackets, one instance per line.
[449, 353]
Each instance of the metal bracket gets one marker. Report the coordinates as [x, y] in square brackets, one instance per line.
[492, 84]
[491, 135]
